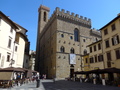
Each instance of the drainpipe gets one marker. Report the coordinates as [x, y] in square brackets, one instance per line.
[12, 61]
[102, 50]
[80, 52]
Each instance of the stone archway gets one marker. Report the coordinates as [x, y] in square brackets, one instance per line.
[71, 71]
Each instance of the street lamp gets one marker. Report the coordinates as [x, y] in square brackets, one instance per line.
[12, 62]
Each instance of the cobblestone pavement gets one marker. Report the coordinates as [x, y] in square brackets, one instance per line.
[63, 85]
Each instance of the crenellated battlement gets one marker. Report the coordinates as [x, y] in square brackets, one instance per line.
[73, 16]
[95, 31]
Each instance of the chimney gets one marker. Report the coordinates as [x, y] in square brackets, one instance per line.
[118, 14]
[8, 17]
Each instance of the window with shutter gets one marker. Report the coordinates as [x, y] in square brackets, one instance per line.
[95, 48]
[113, 27]
[107, 43]
[90, 49]
[95, 58]
[117, 54]
[108, 56]
[112, 41]
[109, 64]
[91, 60]
[8, 57]
[9, 42]
[115, 40]
[11, 30]
[99, 46]
[99, 58]
[105, 32]
[118, 39]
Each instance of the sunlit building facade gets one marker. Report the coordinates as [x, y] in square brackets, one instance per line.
[61, 41]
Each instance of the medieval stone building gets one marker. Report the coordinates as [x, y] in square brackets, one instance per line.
[61, 41]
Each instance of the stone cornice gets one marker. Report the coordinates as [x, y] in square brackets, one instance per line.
[44, 8]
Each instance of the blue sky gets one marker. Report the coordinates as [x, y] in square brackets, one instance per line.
[25, 12]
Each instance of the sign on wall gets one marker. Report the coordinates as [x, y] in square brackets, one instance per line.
[72, 59]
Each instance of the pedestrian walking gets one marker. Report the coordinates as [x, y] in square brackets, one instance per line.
[54, 78]
[45, 76]
[80, 79]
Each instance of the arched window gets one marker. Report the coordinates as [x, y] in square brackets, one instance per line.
[62, 49]
[85, 52]
[72, 50]
[44, 16]
[76, 35]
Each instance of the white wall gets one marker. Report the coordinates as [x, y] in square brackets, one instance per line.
[21, 48]
[5, 34]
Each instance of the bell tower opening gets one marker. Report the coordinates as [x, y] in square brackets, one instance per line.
[44, 16]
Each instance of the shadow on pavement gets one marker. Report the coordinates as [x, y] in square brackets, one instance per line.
[71, 85]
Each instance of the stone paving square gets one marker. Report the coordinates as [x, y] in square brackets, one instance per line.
[62, 85]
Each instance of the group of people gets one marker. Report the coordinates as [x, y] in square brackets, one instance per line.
[44, 76]
[34, 77]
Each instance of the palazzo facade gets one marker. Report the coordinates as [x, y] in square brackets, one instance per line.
[62, 39]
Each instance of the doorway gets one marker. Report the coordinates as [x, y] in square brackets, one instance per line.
[71, 71]
[110, 76]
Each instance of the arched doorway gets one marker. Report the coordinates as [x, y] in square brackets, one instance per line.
[71, 71]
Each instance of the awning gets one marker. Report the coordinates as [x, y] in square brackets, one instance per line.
[11, 69]
[81, 72]
[100, 71]
[112, 70]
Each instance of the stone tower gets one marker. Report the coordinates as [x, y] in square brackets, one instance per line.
[42, 20]
[42, 17]
[63, 40]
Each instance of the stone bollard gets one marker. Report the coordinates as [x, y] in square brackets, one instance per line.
[53, 80]
[103, 81]
[81, 80]
[94, 81]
